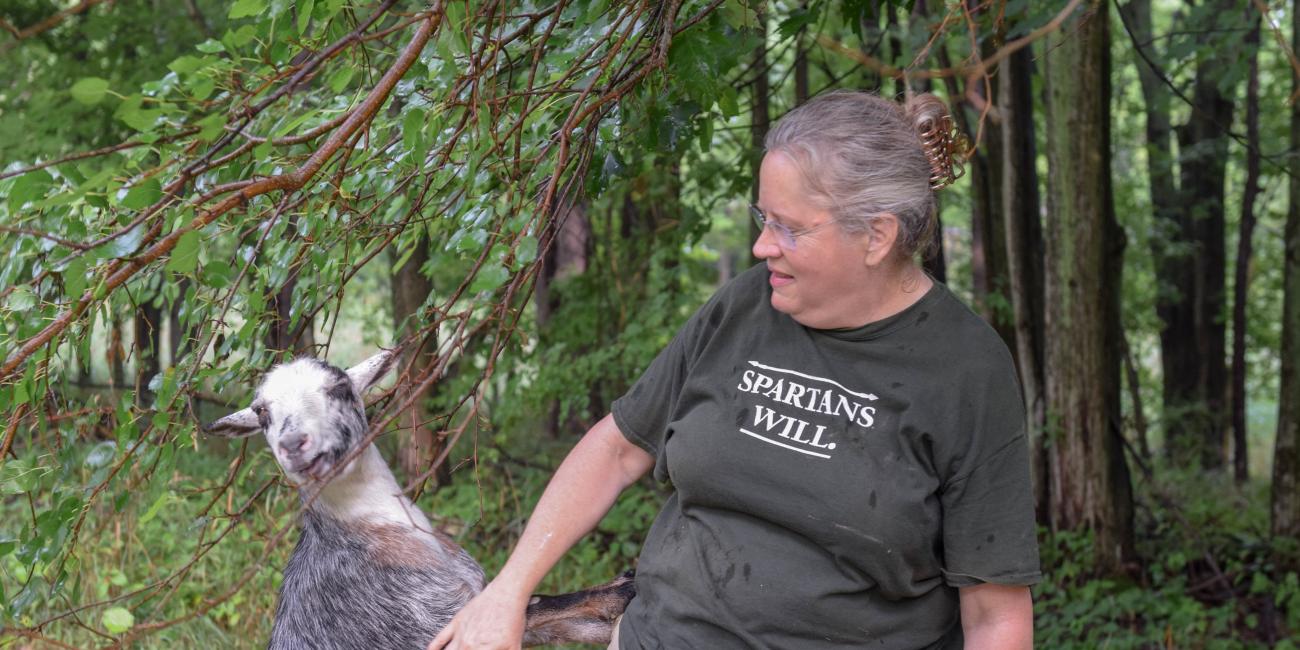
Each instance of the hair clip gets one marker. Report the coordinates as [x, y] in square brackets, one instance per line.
[946, 149]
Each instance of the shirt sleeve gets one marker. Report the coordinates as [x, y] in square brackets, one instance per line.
[643, 413]
[989, 532]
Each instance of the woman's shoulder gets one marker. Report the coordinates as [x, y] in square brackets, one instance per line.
[964, 336]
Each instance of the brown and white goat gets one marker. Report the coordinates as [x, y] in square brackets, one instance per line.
[369, 570]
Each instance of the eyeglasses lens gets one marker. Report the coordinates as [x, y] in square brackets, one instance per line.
[784, 237]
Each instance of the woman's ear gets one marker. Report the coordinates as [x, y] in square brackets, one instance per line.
[881, 235]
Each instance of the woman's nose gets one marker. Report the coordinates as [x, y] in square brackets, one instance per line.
[765, 247]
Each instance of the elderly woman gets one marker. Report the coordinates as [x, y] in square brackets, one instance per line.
[844, 438]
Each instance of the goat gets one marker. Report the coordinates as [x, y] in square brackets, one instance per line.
[369, 571]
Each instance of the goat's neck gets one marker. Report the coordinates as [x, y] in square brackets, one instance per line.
[367, 493]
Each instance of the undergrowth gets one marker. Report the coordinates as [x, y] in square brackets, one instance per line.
[1208, 578]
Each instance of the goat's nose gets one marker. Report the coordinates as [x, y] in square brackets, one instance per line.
[293, 443]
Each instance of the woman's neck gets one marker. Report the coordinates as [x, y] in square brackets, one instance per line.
[890, 290]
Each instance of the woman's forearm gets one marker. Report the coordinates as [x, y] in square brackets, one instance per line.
[997, 617]
[583, 489]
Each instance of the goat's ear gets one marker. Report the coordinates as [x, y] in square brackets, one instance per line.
[239, 424]
[368, 372]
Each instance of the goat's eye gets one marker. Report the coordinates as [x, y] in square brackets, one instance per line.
[263, 417]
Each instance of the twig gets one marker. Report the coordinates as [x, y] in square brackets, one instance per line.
[45, 25]
[979, 68]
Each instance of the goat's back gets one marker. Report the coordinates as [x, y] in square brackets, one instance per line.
[376, 588]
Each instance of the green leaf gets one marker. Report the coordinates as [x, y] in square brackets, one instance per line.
[246, 8]
[21, 299]
[74, 278]
[210, 46]
[118, 620]
[739, 14]
[157, 505]
[201, 86]
[185, 257]
[31, 186]
[185, 64]
[526, 251]
[304, 15]
[132, 112]
[339, 80]
[143, 195]
[489, 278]
[211, 126]
[216, 274]
[90, 91]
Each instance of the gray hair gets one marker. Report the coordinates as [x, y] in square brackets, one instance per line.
[861, 156]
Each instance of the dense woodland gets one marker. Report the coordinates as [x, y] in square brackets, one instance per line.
[528, 198]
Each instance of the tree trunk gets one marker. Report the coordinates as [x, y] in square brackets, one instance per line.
[760, 118]
[280, 336]
[1090, 481]
[1196, 377]
[1023, 233]
[178, 335]
[934, 262]
[419, 446]
[116, 353]
[801, 62]
[872, 39]
[567, 248]
[148, 346]
[1286, 451]
[1135, 396]
[1240, 458]
[1188, 247]
[988, 240]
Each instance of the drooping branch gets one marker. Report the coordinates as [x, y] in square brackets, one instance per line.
[294, 180]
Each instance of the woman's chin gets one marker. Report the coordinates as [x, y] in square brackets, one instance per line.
[783, 304]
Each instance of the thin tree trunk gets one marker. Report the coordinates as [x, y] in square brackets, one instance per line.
[148, 346]
[872, 39]
[1135, 396]
[567, 245]
[1024, 244]
[1090, 481]
[1196, 373]
[934, 263]
[178, 335]
[1286, 451]
[896, 51]
[411, 288]
[1240, 458]
[116, 353]
[988, 239]
[801, 62]
[760, 118]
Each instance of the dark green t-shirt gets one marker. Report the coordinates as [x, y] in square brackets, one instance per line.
[832, 489]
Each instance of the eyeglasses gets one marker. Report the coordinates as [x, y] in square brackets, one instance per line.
[785, 238]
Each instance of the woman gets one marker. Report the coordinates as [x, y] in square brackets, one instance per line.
[844, 438]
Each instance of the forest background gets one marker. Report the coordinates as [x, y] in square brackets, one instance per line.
[530, 197]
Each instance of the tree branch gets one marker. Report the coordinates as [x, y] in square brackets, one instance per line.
[45, 25]
[284, 182]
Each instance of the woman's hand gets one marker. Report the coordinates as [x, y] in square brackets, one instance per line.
[584, 487]
[492, 620]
